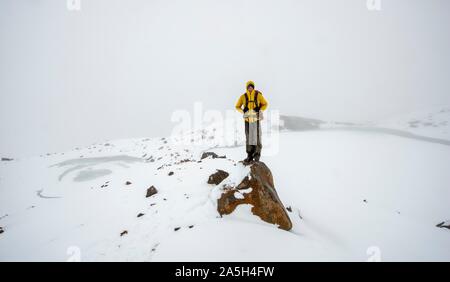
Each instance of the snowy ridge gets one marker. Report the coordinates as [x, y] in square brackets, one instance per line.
[430, 122]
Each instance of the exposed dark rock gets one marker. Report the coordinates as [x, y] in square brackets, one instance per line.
[289, 209]
[170, 173]
[151, 191]
[177, 228]
[7, 159]
[299, 123]
[444, 224]
[123, 233]
[128, 183]
[217, 177]
[212, 155]
[191, 226]
[260, 193]
[1, 230]
[140, 214]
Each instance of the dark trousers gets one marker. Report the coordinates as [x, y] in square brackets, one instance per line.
[253, 144]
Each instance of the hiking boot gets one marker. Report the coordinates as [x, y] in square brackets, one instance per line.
[247, 161]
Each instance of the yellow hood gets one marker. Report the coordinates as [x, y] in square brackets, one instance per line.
[250, 82]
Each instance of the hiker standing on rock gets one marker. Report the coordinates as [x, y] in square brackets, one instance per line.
[251, 104]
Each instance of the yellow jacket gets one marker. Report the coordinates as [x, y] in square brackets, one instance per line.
[261, 101]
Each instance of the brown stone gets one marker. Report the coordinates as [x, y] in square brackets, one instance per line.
[263, 197]
[151, 191]
[217, 177]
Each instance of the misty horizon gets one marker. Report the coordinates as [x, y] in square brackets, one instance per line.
[118, 69]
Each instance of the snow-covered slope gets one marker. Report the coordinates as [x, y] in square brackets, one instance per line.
[353, 195]
[429, 122]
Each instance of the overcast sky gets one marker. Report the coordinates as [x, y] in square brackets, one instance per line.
[118, 69]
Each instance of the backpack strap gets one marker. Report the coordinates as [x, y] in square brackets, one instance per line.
[246, 102]
[255, 101]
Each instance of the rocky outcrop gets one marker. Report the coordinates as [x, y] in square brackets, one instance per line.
[256, 189]
[217, 177]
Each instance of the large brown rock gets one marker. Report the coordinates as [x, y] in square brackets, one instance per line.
[262, 196]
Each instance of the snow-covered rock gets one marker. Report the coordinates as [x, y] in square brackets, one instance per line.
[256, 189]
